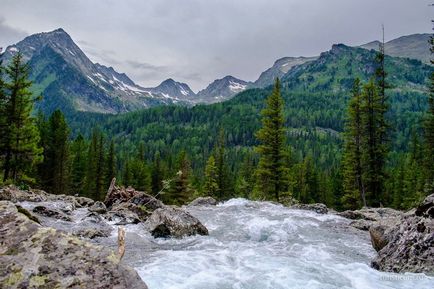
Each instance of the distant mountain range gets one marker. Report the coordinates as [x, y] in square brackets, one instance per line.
[68, 79]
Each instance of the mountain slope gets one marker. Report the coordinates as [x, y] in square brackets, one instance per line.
[68, 79]
[414, 46]
[222, 89]
[279, 69]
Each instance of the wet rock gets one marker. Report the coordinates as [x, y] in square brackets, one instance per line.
[174, 222]
[426, 208]
[91, 233]
[33, 256]
[84, 202]
[14, 194]
[410, 246]
[98, 207]
[363, 225]
[203, 201]
[51, 213]
[126, 213]
[318, 208]
[379, 237]
[367, 217]
[146, 201]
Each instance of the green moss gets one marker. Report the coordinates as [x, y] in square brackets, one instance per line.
[14, 278]
[37, 281]
[27, 214]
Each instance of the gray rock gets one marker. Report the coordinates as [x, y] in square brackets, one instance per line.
[174, 222]
[203, 201]
[13, 194]
[91, 233]
[426, 208]
[33, 256]
[51, 213]
[367, 217]
[146, 201]
[318, 208]
[98, 207]
[126, 213]
[84, 202]
[409, 246]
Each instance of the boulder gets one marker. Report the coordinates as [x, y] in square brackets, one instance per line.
[33, 256]
[426, 208]
[84, 202]
[146, 201]
[91, 233]
[51, 213]
[14, 194]
[174, 222]
[203, 201]
[318, 208]
[367, 217]
[98, 207]
[126, 213]
[409, 246]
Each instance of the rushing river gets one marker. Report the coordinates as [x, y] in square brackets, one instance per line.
[263, 245]
[256, 245]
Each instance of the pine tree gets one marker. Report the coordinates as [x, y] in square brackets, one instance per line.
[354, 190]
[222, 168]
[374, 149]
[180, 190]
[110, 171]
[79, 164]
[19, 135]
[429, 134]
[56, 154]
[272, 172]
[95, 162]
[210, 187]
[157, 175]
[245, 182]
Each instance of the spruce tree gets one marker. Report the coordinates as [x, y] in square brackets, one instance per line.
[19, 142]
[180, 190]
[354, 190]
[271, 172]
[94, 184]
[157, 175]
[222, 168]
[429, 134]
[110, 170]
[210, 187]
[374, 149]
[56, 154]
[79, 165]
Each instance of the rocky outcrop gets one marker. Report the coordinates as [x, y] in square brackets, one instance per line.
[406, 244]
[14, 194]
[174, 222]
[318, 208]
[367, 217]
[98, 207]
[203, 201]
[33, 256]
[51, 213]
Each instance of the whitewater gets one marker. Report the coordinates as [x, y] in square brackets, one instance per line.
[259, 245]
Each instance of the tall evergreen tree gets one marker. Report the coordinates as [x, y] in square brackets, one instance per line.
[95, 166]
[272, 172]
[55, 165]
[180, 190]
[223, 189]
[110, 171]
[374, 149]
[210, 187]
[79, 165]
[429, 134]
[354, 190]
[157, 174]
[19, 135]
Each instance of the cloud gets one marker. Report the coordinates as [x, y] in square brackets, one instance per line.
[9, 34]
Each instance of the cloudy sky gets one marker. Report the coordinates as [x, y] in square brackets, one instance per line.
[197, 41]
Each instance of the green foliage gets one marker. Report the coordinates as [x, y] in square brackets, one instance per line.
[211, 187]
[180, 190]
[19, 142]
[79, 165]
[272, 171]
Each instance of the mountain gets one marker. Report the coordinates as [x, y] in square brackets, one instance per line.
[279, 69]
[222, 89]
[414, 46]
[175, 90]
[68, 79]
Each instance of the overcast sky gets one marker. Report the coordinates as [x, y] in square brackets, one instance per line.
[197, 41]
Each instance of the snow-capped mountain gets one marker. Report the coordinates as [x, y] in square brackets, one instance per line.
[65, 76]
[175, 90]
[222, 89]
